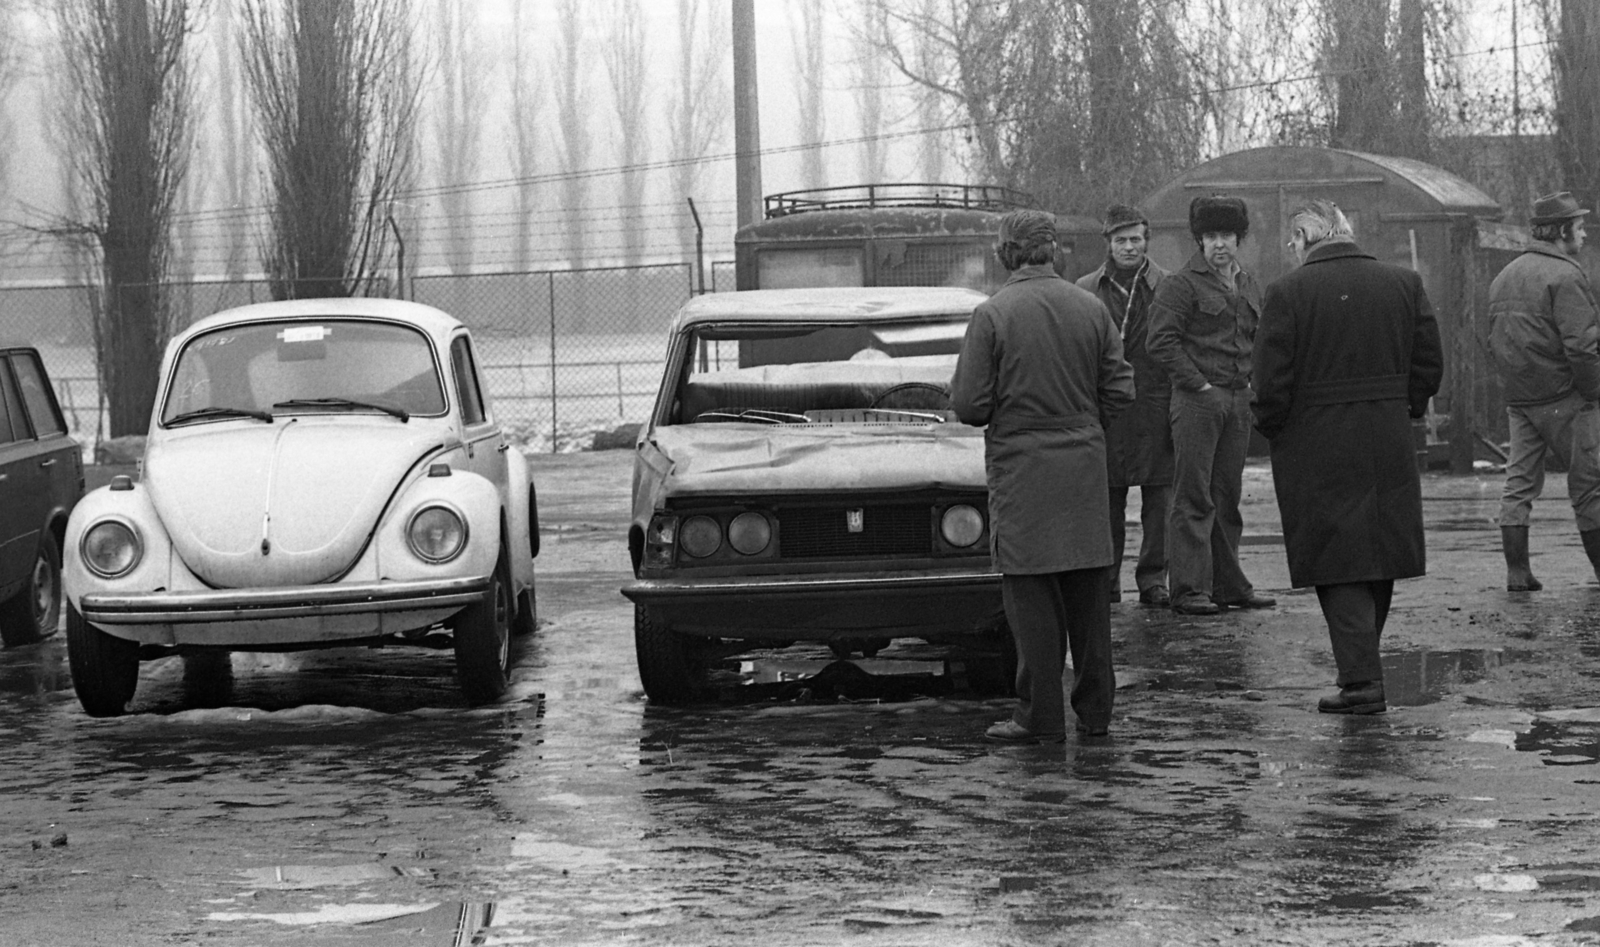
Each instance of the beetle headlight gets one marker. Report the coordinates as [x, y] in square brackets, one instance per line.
[700, 536]
[961, 525]
[749, 533]
[111, 549]
[437, 534]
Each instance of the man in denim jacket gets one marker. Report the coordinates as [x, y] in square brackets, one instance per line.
[1544, 332]
[1202, 329]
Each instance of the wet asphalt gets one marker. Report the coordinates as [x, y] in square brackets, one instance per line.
[351, 797]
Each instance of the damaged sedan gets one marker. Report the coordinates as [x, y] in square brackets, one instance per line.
[802, 478]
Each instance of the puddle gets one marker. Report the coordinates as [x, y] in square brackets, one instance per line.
[1414, 678]
[1562, 742]
[387, 925]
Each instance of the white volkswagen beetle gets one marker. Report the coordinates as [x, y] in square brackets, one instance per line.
[318, 473]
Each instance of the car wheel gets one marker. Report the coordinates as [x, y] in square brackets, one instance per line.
[105, 668]
[527, 614]
[208, 678]
[35, 610]
[669, 664]
[483, 641]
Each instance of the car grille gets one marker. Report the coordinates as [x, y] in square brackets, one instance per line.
[822, 532]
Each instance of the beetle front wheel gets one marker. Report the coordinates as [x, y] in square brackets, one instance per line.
[483, 642]
[105, 668]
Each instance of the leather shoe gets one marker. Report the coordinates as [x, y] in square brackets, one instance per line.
[1195, 604]
[1363, 698]
[1155, 596]
[1009, 731]
[1085, 730]
[1253, 600]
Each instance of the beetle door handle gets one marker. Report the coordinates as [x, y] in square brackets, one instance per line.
[48, 463]
[503, 448]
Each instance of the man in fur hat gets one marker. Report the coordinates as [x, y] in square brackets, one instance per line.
[1042, 367]
[1139, 441]
[1202, 328]
[1544, 332]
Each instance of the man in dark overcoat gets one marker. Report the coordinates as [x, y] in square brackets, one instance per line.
[1139, 441]
[1042, 367]
[1346, 354]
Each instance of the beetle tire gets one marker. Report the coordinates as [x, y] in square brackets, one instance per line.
[483, 642]
[208, 678]
[669, 666]
[35, 610]
[105, 668]
[527, 619]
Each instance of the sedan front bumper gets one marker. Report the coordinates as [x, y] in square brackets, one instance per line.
[917, 603]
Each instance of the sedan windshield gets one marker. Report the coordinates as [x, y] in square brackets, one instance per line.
[302, 367]
[776, 373]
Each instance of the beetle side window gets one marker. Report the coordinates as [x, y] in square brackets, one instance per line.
[467, 389]
[36, 395]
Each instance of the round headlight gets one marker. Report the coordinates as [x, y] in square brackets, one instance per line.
[961, 525]
[749, 533]
[111, 548]
[700, 536]
[437, 534]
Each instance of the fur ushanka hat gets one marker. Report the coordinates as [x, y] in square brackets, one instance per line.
[1218, 214]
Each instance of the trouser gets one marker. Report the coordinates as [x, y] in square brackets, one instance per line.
[1210, 436]
[1049, 614]
[1356, 612]
[1569, 429]
[1153, 503]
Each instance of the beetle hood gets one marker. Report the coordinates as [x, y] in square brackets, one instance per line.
[288, 503]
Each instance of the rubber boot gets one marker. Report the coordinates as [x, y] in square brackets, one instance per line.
[1519, 574]
[1591, 545]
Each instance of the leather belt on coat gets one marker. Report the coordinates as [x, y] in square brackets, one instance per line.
[1348, 390]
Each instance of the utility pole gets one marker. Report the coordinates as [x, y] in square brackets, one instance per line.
[746, 113]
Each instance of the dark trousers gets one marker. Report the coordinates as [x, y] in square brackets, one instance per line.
[1154, 501]
[1356, 612]
[1048, 614]
[1210, 437]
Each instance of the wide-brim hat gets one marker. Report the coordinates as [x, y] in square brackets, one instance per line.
[1218, 214]
[1554, 208]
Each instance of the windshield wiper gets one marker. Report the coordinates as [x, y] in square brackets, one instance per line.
[389, 409]
[216, 411]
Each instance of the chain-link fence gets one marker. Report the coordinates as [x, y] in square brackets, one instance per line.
[565, 353]
[724, 279]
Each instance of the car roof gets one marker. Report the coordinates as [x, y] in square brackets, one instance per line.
[828, 304]
[435, 322]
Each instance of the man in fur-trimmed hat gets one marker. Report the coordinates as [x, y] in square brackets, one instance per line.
[1139, 441]
[1202, 328]
[1042, 368]
[1544, 332]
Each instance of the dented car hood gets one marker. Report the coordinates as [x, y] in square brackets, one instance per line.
[725, 459]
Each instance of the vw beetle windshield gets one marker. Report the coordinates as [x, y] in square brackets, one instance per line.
[790, 373]
[253, 367]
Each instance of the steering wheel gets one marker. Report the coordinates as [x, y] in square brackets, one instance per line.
[940, 397]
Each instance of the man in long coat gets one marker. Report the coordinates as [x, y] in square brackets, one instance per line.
[1042, 367]
[1139, 441]
[1347, 353]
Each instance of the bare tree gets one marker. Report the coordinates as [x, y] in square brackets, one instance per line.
[810, 61]
[10, 70]
[1576, 58]
[128, 69]
[870, 77]
[1377, 60]
[926, 55]
[627, 66]
[700, 108]
[457, 122]
[572, 117]
[335, 90]
[525, 127]
[232, 154]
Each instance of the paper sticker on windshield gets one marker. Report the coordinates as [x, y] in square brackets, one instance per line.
[304, 333]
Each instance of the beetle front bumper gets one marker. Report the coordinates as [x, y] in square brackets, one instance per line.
[921, 603]
[265, 616]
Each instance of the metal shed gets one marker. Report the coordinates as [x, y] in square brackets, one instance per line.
[1404, 211]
